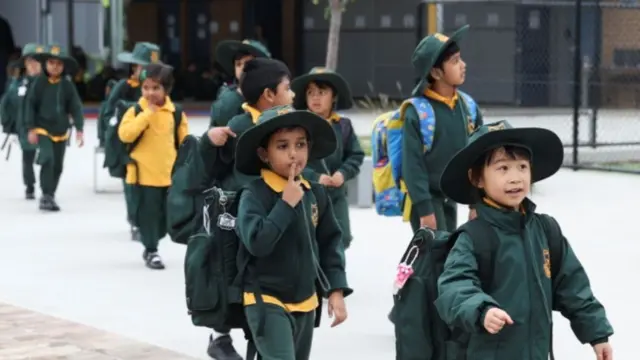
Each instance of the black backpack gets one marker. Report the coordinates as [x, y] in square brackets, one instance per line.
[414, 313]
[116, 152]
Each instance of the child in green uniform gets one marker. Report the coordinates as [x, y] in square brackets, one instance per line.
[232, 55]
[12, 113]
[265, 84]
[324, 92]
[437, 59]
[101, 114]
[291, 237]
[50, 101]
[144, 53]
[535, 269]
[149, 175]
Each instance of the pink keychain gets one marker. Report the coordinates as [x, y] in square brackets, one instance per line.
[405, 269]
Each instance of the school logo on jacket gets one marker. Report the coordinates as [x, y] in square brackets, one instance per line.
[314, 215]
[547, 263]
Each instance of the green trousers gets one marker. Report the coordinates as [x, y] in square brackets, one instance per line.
[51, 160]
[286, 336]
[131, 206]
[150, 213]
[28, 175]
[446, 211]
[341, 212]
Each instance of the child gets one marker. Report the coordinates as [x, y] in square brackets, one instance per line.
[437, 59]
[144, 53]
[265, 84]
[324, 92]
[290, 234]
[510, 318]
[232, 55]
[101, 115]
[152, 128]
[49, 102]
[11, 111]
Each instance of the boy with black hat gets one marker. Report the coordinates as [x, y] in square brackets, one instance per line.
[232, 55]
[293, 245]
[534, 267]
[12, 113]
[437, 59]
[324, 92]
[264, 84]
[50, 101]
[144, 53]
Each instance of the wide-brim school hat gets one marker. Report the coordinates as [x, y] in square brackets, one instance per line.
[227, 50]
[427, 52]
[343, 91]
[143, 53]
[321, 134]
[56, 52]
[32, 50]
[544, 146]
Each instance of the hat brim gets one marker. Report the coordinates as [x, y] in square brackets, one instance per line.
[546, 149]
[128, 58]
[227, 50]
[70, 64]
[323, 139]
[455, 37]
[299, 87]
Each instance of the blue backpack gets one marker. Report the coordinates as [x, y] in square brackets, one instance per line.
[386, 149]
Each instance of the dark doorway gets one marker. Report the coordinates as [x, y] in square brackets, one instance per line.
[534, 70]
[265, 24]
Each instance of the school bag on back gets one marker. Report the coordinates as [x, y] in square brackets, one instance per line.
[386, 149]
[420, 333]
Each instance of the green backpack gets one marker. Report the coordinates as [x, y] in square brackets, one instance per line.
[419, 331]
[116, 152]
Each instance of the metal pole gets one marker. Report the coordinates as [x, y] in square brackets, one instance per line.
[70, 29]
[577, 80]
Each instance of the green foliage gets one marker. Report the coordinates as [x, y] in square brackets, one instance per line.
[327, 9]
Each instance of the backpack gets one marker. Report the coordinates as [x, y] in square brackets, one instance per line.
[414, 307]
[116, 152]
[386, 149]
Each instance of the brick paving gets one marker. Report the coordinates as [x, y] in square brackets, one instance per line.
[26, 334]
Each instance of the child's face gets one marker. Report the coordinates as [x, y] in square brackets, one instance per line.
[506, 179]
[283, 94]
[286, 147]
[319, 100]
[239, 65]
[454, 70]
[153, 91]
[55, 67]
[33, 66]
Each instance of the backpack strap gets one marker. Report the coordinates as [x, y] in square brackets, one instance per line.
[554, 238]
[426, 118]
[177, 120]
[347, 128]
[485, 241]
[471, 108]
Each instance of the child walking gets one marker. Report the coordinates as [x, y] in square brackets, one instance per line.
[232, 55]
[51, 99]
[156, 128]
[12, 113]
[290, 234]
[437, 58]
[535, 269]
[324, 92]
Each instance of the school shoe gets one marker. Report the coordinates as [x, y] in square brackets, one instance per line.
[30, 193]
[222, 348]
[48, 203]
[152, 260]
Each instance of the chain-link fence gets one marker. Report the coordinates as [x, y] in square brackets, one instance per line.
[570, 66]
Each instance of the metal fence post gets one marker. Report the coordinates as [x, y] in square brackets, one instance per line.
[587, 67]
[577, 80]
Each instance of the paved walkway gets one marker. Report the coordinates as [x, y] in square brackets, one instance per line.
[26, 334]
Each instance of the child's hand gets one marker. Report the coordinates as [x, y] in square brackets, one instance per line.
[429, 221]
[337, 308]
[325, 180]
[603, 351]
[495, 319]
[80, 138]
[219, 135]
[32, 137]
[338, 179]
[293, 192]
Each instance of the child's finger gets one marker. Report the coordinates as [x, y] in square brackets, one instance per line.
[228, 131]
[507, 319]
[292, 172]
[330, 310]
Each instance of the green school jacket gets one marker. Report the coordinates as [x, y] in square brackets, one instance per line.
[521, 286]
[48, 106]
[228, 105]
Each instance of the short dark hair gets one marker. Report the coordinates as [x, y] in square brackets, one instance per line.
[512, 152]
[446, 54]
[323, 85]
[161, 73]
[260, 74]
[240, 54]
[265, 141]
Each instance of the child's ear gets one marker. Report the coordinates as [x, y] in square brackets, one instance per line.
[262, 154]
[268, 95]
[436, 73]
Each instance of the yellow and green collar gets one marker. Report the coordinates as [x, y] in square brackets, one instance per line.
[277, 182]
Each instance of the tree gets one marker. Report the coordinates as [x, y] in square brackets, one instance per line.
[333, 11]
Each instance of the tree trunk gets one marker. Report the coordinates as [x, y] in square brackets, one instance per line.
[333, 43]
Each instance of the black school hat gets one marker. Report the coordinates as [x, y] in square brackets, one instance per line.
[322, 137]
[227, 50]
[544, 146]
[343, 91]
